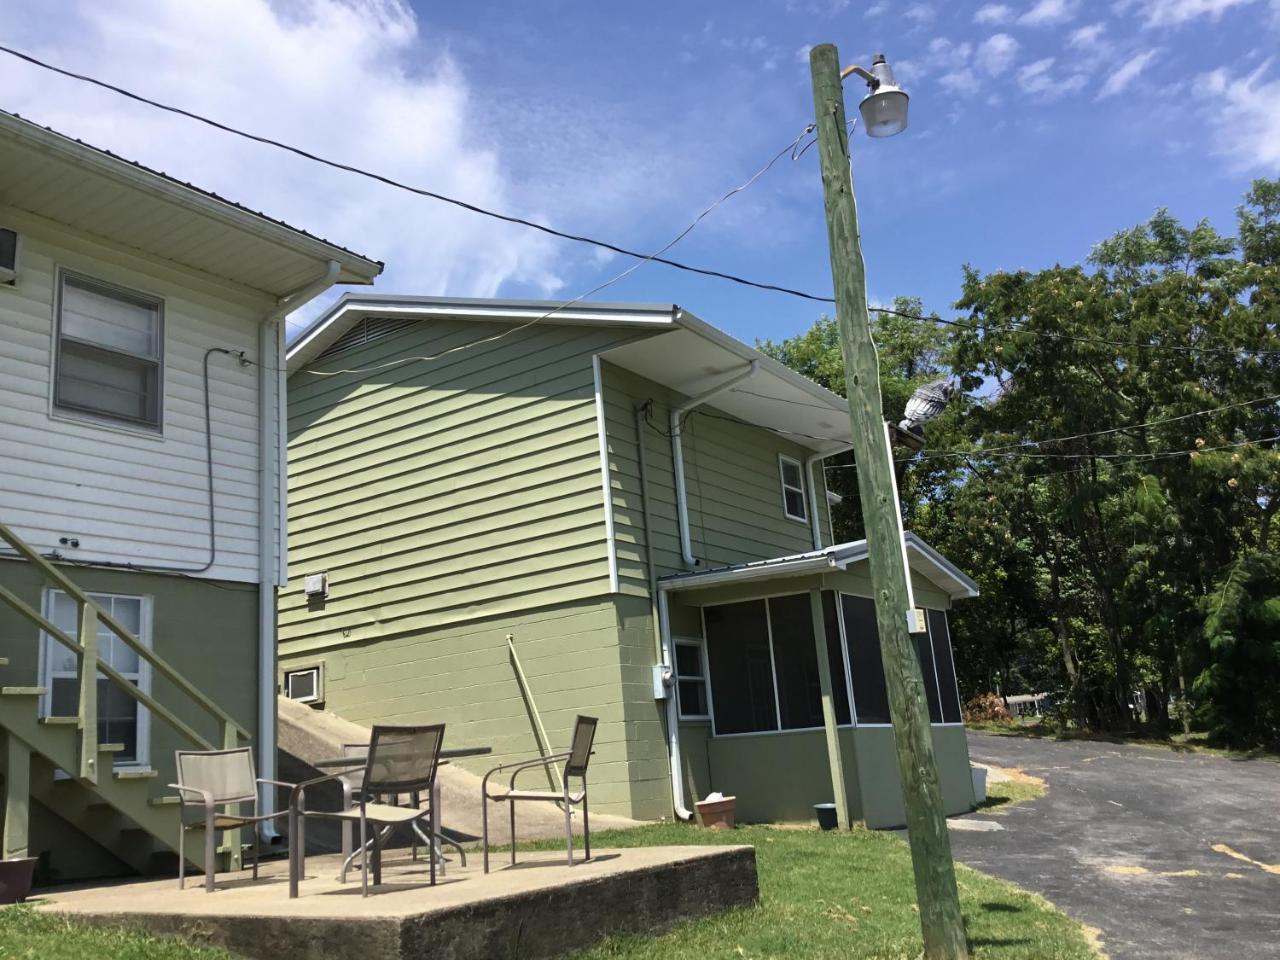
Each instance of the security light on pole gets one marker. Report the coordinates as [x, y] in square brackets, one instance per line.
[884, 111]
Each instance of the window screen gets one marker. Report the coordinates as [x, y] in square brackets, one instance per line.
[691, 684]
[796, 662]
[741, 671]
[940, 635]
[924, 652]
[302, 684]
[108, 352]
[870, 699]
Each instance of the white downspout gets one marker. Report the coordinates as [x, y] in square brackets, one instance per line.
[809, 463]
[677, 455]
[673, 714]
[272, 451]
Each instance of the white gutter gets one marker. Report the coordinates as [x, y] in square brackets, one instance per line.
[677, 454]
[809, 461]
[673, 715]
[273, 519]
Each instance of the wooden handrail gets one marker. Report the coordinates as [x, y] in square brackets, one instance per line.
[91, 611]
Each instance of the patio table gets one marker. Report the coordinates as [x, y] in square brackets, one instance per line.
[434, 843]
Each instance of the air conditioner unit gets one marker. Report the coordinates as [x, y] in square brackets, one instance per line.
[9, 242]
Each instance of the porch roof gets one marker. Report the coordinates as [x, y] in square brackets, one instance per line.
[921, 557]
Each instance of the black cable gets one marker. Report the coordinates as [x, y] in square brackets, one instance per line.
[420, 191]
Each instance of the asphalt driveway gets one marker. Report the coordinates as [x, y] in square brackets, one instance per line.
[1170, 855]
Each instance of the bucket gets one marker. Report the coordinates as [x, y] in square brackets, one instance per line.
[979, 784]
[827, 818]
[15, 879]
[716, 814]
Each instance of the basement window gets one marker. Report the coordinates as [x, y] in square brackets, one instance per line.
[793, 502]
[303, 685]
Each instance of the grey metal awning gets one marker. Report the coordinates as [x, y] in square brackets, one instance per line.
[921, 558]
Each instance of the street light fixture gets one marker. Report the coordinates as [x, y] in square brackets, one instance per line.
[884, 108]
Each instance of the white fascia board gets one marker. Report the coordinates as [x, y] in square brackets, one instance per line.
[358, 269]
[350, 309]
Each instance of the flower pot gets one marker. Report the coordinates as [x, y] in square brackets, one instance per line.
[716, 814]
[827, 817]
[15, 879]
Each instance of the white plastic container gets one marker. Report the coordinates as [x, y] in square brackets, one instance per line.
[979, 784]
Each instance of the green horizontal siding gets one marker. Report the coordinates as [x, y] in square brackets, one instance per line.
[437, 491]
[731, 478]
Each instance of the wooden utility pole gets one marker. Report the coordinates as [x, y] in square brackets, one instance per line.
[939, 900]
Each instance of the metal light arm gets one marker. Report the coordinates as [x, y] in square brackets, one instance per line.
[872, 80]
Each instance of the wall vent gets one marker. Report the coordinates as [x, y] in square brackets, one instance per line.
[366, 331]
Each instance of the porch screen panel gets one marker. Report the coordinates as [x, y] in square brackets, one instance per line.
[870, 698]
[940, 635]
[795, 661]
[835, 657]
[740, 667]
[924, 653]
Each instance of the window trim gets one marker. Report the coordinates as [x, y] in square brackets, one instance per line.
[146, 618]
[318, 669]
[783, 460]
[705, 679]
[60, 410]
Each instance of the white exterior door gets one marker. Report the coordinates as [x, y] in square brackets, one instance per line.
[121, 719]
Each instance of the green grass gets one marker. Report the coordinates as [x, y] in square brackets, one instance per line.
[1005, 794]
[1179, 742]
[27, 935]
[825, 895]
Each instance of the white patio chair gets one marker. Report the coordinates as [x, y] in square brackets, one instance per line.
[575, 765]
[213, 779]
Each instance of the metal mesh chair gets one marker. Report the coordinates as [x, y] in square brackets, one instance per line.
[576, 759]
[213, 779]
[399, 761]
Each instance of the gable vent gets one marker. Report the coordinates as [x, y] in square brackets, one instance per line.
[366, 331]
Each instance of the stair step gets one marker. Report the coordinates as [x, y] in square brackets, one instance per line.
[23, 691]
[4, 661]
[110, 747]
[163, 801]
[59, 721]
[134, 774]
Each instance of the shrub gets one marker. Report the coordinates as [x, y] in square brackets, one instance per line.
[986, 708]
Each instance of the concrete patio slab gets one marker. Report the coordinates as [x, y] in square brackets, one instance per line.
[539, 908]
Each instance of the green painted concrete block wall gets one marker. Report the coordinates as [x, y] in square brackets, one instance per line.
[208, 631]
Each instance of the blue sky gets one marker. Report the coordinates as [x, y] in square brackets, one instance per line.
[1038, 127]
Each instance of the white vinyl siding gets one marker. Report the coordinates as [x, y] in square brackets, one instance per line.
[130, 495]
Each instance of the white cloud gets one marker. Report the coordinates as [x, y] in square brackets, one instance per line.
[1242, 111]
[1121, 78]
[343, 78]
[1044, 13]
[1038, 80]
[1171, 13]
[996, 53]
[1087, 37]
[875, 10]
[959, 82]
[993, 13]
[919, 13]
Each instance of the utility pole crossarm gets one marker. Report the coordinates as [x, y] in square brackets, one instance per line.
[940, 919]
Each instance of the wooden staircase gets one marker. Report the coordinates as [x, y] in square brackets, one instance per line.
[113, 807]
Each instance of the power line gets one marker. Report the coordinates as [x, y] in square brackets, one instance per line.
[789, 148]
[400, 185]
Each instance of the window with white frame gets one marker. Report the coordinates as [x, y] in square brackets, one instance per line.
[303, 685]
[109, 352]
[793, 501]
[121, 719]
[691, 680]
